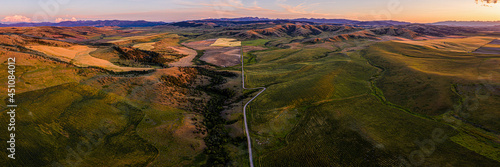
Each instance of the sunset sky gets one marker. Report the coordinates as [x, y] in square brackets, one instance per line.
[421, 11]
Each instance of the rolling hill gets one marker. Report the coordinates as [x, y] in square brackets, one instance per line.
[376, 102]
[60, 33]
[83, 127]
[323, 33]
[89, 23]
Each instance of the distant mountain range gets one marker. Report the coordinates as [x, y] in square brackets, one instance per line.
[312, 20]
[245, 20]
[354, 22]
[468, 23]
[239, 19]
[196, 23]
[98, 23]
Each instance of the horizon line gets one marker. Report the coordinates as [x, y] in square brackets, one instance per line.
[201, 19]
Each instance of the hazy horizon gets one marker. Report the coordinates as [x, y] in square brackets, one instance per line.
[425, 11]
[246, 17]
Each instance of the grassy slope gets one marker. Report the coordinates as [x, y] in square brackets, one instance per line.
[256, 42]
[168, 130]
[468, 44]
[450, 88]
[62, 119]
[410, 87]
[38, 73]
[431, 92]
[320, 110]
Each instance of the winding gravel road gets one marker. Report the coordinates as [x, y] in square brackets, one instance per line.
[245, 112]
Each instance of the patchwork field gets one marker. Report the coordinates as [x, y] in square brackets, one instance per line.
[220, 52]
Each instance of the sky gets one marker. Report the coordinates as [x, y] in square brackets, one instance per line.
[417, 11]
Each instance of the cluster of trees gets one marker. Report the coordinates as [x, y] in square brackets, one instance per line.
[182, 80]
[212, 73]
[217, 134]
[143, 56]
[172, 81]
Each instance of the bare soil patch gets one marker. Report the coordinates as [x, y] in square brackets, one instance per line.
[200, 45]
[185, 61]
[227, 56]
[218, 51]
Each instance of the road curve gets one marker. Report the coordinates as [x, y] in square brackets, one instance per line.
[250, 157]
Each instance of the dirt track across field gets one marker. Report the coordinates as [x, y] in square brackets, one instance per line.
[185, 61]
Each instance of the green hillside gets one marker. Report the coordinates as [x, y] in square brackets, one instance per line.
[325, 107]
[76, 125]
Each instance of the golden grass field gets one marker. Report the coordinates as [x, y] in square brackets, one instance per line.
[63, 53]
[145, 46]
[468, 44]
[138, 38]
[79, 56]
[226, 42]
[492, 46]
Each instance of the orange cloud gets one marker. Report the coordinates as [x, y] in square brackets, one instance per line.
[300, 9]
[62, 19]
[487, 1]
[16, 19]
